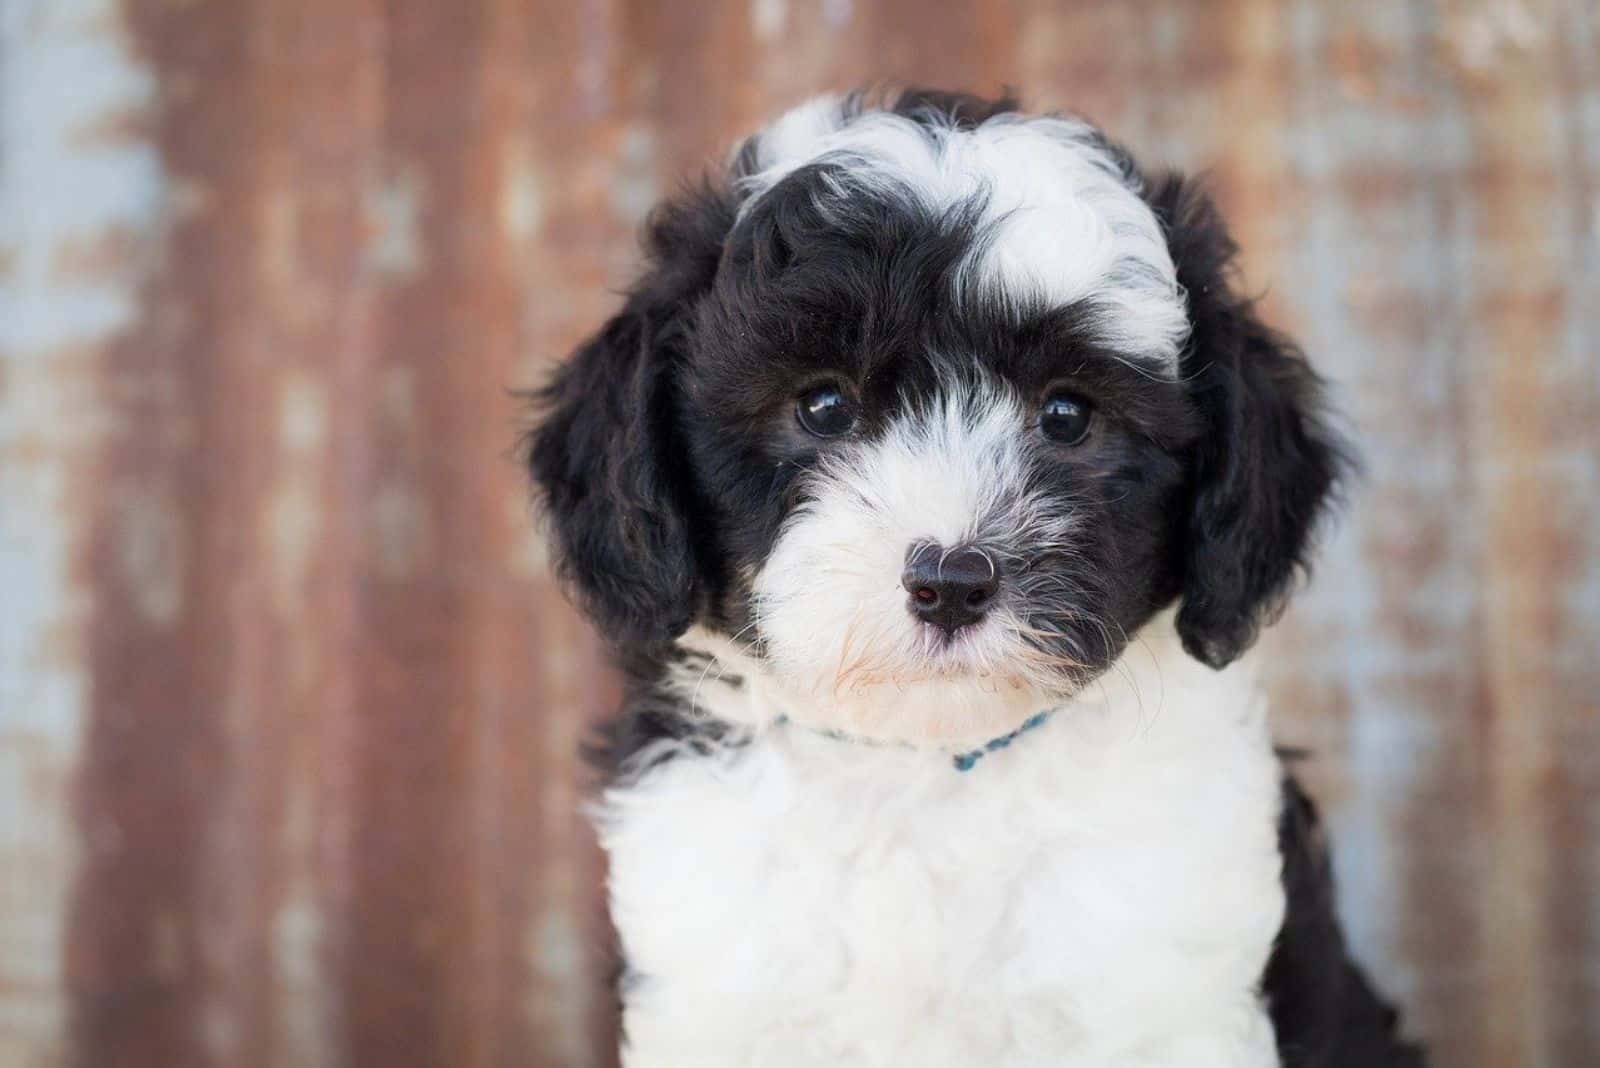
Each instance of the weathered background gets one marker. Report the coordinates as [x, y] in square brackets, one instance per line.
[288, 704]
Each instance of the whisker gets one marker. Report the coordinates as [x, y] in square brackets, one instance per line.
[713, 659]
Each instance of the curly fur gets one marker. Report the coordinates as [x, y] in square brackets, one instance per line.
[783, 819]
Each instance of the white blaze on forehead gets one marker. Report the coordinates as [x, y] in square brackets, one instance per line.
[1061, 222]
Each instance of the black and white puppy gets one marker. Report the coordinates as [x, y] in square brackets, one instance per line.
[931, 485]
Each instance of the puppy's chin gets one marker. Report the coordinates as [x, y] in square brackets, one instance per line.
[935, 709]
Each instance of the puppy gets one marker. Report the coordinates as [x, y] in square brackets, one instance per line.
[931, 486]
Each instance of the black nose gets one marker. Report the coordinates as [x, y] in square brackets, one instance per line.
[949, 588]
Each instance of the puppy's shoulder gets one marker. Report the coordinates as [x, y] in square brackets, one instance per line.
[654, 723]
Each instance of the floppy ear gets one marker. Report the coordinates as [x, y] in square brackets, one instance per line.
[1268, 460]
[606, 452]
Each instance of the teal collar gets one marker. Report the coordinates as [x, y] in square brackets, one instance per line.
[966, 761]
[963, 761]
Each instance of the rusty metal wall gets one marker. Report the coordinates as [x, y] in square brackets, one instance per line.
[288, 704]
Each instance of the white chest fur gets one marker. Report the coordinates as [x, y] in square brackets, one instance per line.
[1103, 892]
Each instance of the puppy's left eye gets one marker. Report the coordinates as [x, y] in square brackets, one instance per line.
[825, 412]
[1066, 417]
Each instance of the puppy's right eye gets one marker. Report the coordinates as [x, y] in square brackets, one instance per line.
[1066, 418]
[824, 412]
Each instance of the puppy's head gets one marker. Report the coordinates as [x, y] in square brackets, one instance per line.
[925, 406]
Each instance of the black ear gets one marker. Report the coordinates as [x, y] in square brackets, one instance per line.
[1268, 461]
[606, 451]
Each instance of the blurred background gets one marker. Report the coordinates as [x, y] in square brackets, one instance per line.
[288, 703]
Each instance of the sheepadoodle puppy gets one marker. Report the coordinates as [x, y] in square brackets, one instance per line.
[932, 485]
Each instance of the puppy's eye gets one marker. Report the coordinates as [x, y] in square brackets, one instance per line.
[825, 412]
[1066, 417]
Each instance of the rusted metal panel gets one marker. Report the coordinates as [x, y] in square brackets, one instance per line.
[78, 191]
[288, 701]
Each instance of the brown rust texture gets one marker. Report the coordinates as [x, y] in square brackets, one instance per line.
[289, 704]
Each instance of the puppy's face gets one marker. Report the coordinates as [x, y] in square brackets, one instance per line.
[946, 490]
[926, 410]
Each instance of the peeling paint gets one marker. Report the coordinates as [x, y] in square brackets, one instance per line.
[56, 191]
[556, 950]
[394, 208]
[153, 554]
[634, 190]
[294, 511]
[75, 211]
[522, 198]
[768, 18]
[402, 531]
[1483, 34]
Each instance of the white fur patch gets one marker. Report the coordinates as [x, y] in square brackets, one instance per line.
[844, 652]
[1105, 892]
[1062, 224]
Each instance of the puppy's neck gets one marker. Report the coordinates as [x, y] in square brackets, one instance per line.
[1154, 687]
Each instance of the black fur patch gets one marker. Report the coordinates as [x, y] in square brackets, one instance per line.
[1324, 1011]
[608, 453]
[1265, 469]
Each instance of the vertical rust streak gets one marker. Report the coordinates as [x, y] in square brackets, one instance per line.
[339, 148]
[406, 935]
[507, 767]
[1574, 798]
[319, 294]
[591, 169]
[440, 854]
[179, 786]
[1521, 304]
